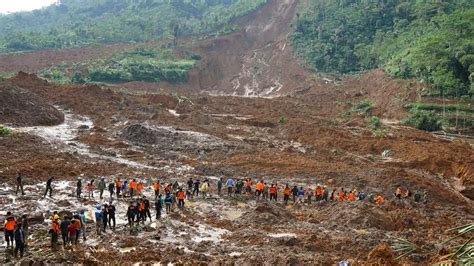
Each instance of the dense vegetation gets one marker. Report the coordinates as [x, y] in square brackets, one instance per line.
[140, 64]
[432, 41]
[81, 22]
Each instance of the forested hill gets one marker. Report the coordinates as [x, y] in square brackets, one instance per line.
[429, 40]
[78, 22]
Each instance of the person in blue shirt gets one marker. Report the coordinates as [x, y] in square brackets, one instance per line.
[230, 185]
[168, 202]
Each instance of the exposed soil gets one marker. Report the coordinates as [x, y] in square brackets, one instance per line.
[179, 131]
[19, 107]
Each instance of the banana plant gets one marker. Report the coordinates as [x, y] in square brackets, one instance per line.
[464, 252]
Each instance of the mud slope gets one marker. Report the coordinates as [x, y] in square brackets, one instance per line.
[257, 61]
[20, 107]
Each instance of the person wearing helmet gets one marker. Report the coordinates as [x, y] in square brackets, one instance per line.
[9, 228]
[54, 231]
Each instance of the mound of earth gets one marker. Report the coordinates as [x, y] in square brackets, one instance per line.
[267, 214]
[20, 107]
[170, 138]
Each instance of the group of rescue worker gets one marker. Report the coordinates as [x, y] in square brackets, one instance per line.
[168, 196]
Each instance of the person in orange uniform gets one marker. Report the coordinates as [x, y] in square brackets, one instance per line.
[156, 188]
[351, 196]
[9, 228]
[341, 196]
[133, 186]
[379, 199]
[140, 187]
[319, 193]
[259, 189]
[181, 196]
[249, 186]
[273, 190]
[286, 194]
[118, 186]
[54, 231]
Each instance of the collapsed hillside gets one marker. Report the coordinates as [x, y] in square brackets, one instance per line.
[111, 133]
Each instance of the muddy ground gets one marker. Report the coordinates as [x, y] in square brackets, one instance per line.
[108, 133]
[295, 131]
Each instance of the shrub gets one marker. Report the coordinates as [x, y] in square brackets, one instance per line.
[5, 131]
[374, 122]
[424, 120]
[363, 107]
[77, 78]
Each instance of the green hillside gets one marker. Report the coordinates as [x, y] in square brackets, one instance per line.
[81, 22]
[432, 41]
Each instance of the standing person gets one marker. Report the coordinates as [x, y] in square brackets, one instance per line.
[118, 186]
[99, 223]
[351, 196]
[239, 186]
[19, 240]
[111, 189]
[265, 191]
[249, 186]
[9, 228]
[319, 193]
[294, 192]
[78, 227]
[79, 187]
[132, 186]
[197, 183]
[124, 188]
[147, 208]
[301, 195]
[64, 225]
[156, 188]
[82, 215]
[72, 231]
[19, 184]
[49, 187]
[140, 188]
[159, 206]
[168, 202]
[111, 214]
[333, 195]
[259, 189]
[219, 186]
[105, 216]
[90, 189]
[205, 188]
[341, 196]
[325, 193]
[286, 194]
[230, 185]
[273, 192]
[141, 211]
[131, 214]
[309, 194]
[181, 196]
[54, 231]
[25, 225]
[101, 187]
[190, 184]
